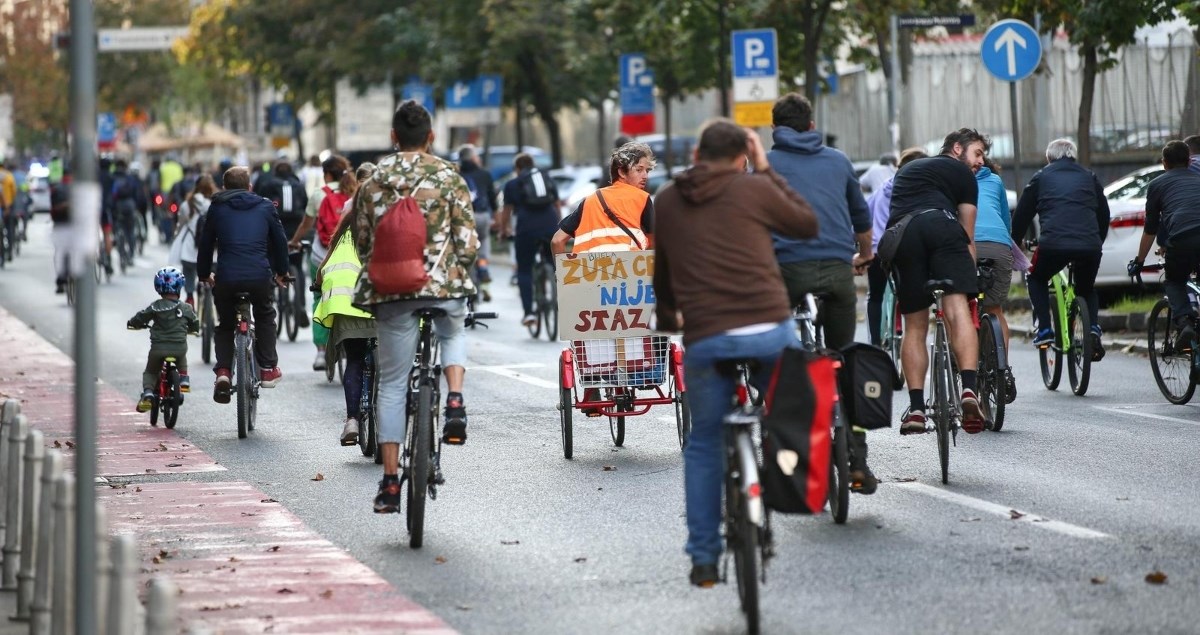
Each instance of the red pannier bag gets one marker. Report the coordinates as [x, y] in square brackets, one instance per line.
[797, 432]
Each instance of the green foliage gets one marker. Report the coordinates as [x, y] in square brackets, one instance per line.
[34, 72]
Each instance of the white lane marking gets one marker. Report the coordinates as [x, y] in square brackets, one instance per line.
[506, 371]
[1147, 415]
[512, 366]
[1066, 529]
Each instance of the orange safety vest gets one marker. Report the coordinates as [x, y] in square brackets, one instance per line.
[597, 232]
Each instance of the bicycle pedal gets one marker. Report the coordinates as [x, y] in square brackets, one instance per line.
[433, 492]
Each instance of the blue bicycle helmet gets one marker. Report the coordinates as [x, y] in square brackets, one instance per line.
[168, 280]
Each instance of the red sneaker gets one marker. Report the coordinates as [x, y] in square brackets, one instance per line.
[271, 376]
[223, 386]
[972, 416]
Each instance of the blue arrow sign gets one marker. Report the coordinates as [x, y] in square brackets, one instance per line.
[755, 53]
[484, 91]
[462, 94]
[1011, 50]
[418, 92]
[637, 85]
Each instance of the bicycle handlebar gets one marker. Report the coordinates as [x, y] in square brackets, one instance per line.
[484, 315]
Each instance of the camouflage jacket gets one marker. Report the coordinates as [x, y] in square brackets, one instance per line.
[442, 195]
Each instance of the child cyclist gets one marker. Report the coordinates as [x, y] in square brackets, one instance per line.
[170, 321]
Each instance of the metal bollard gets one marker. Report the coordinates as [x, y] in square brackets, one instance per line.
[34, 449]
[103, 568]
[8, 414]
[52, 469]
[62, 615]
[17, 431]
[160, 607]
[122, 586]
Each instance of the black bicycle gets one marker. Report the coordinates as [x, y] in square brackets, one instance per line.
[206, 313]
[421, 460]
[747, 520]
[368, 424]
[246, 370]
[126, 237]
[293, 302]
[545, 294]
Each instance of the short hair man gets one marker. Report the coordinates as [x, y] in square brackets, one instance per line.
[825, 265]
[1173, 218]
[1073, 214]
[533, 199]
[253, 247]
[442, 195]
[483, 203]
[714, 266]
[937, 197]
[1193, 146]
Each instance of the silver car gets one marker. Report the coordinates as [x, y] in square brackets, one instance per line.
[1127, 208]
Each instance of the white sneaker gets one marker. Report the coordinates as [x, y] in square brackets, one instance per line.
[350, 432]
[319, 362]
[529, 320]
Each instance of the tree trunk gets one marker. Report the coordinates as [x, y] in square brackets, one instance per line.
[602, 143]
[723, 50]
[1087, 96]
[296, 130]
[1190, 120]
[668, 159]
[520, 112]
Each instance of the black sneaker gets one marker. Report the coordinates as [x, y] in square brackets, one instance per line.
[1010, 386]
[387, 501]
[455, 430]
[862, 481]
[704, 576]
[1184, 339]
[1097, 347]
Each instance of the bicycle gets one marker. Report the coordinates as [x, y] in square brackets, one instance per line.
[293, 309]
[545, 293]
[246, 371]
[1175, 367]
[368, 426]
[1075, 340]
[168, 396]
[72, 285]
[992, 386]
[943, 405]
[205, 312]
[421, 458]
[891, 324]
[811, 338]
[125, 230]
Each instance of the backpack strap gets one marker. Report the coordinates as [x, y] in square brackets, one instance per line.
[613, 217]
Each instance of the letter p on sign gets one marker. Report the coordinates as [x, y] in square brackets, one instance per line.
[755, 48]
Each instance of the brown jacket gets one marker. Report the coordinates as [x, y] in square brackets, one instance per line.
[714, 261]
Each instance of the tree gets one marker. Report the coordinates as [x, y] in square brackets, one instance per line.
[34, 72]
[136, 78]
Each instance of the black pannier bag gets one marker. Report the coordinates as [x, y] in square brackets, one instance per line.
[867, 380]
[796, 432]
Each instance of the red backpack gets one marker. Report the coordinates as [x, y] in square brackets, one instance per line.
[397, 264]
[329, 214]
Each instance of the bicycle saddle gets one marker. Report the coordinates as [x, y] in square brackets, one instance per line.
[939, 285]
[985, 262]
[242, 296]
[429, 312]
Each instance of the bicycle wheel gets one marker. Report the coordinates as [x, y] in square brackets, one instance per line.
[367, 433]
[71, 290]
[1171, 367]
[170, 405]
[206, 326]
[566, 404]
[1050, 357]
[616, 425]
[991, 385]
[287, 315]
[941, 402]
[683, 418]
[154, 407]
[891, 329]
[548, 308]
[839, 472]
[241, 360]
[1079, 325]
[295, 307]
[539, 299]
[742, 533]
[419, 467]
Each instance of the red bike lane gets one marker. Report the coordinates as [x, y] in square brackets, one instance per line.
[242, 562]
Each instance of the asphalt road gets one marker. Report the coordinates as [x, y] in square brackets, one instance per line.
[521, 540]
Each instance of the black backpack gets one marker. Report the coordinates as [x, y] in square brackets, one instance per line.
[539, 190]
[479, 196]
[292, 200]
[124, 194]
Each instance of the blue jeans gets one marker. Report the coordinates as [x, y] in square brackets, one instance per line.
[710, 394]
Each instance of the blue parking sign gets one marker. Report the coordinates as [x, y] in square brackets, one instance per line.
[637, 85]
[420, 93]
[755, 53]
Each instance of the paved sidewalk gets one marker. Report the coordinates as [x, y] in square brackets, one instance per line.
[243, 562]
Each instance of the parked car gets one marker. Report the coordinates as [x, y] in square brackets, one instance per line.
[576, 182]
[500, 159]
[39, 188]
[681, 148]
[1127, 210]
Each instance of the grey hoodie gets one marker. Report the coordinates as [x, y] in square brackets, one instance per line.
[169, 322]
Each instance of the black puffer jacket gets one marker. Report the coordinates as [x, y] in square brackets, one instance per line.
[1069, 202]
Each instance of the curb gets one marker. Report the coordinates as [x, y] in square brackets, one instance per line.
[1123, 344]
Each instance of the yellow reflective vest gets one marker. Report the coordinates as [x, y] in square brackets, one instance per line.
[338, 279]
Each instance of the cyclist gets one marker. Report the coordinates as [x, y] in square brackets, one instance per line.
[533, 197]
[873, 179]
[60, 232]
[339, 183]
[879, 203]
[715, 276]
[483, 202]
[283, 188]
[993, 224]
[170, 321]
[190, 214]
[128, 200]
[1173, 218]
[8, 207]
[442, 195]
[940, 195]
[825, 265]
[1073, 213]
[619, 217]
[253, 247]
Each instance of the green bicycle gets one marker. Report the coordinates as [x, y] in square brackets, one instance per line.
[1072, 327]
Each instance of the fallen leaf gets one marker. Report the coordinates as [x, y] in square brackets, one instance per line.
[610, 468]
[510, 542]
[1021, 548]
[57, 443]
[905, 479]
[210, 608]
[463, 607]
[71, 445]
[275, 548]
[174, 464]
[268, 500]
[440, 560]
[162, 447]
[581, 560]
[1100, 579]
[285, 590]
[118, 485]
[1156, 577]
[327, 593]
[1122, 498]
[973, 519]
[137, 489]
[599, 489]
[233, 559]
[1014, 514]
[248, 514]
[319, 477]
[156, 560]
[163, 553]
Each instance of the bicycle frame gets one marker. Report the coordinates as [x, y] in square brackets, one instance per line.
[1062, 294]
